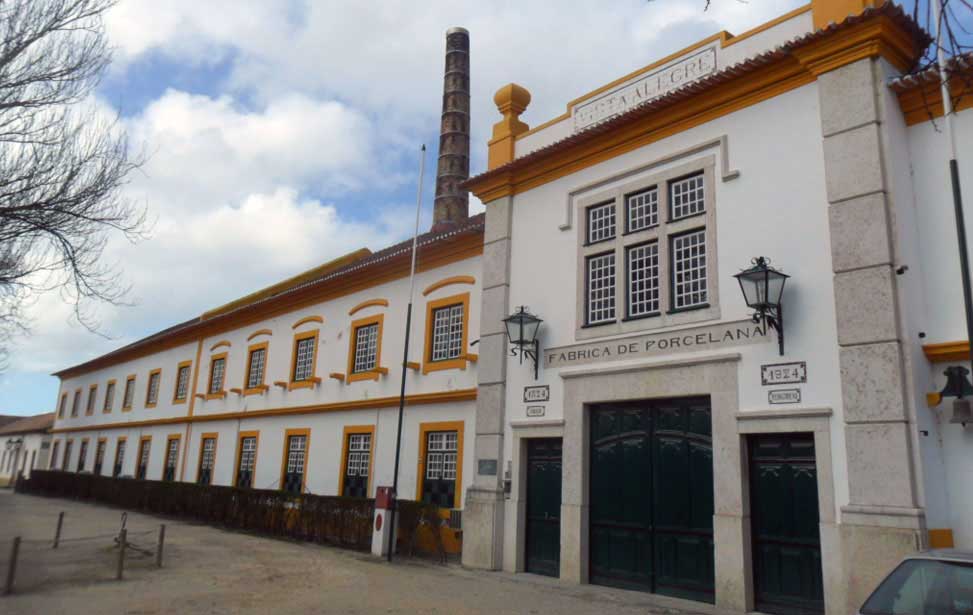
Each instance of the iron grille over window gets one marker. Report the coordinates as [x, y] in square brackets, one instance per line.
[304, 362]
[357, 465]
[447, 332]
[206, 461]
[119, 459]
[82, 454]
[601, 288]
[601, 222]
[248, 454]
[143, 459]
[99, 457]
[687, 197]
[109, 397]
[255, 371]
[294, 475]
[182, 382]
[366, 348]
[643, 280]
[643, 209]
[439, 484]
[216, 372]
[129, 393]
[689, 269]
[172, 458]
[152, 396]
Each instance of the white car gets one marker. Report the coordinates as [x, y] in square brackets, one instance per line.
[937, 582]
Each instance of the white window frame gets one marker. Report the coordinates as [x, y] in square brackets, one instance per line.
[256, 374]
[601, 222]
[447, 332]
[366, 348]
[304, 363]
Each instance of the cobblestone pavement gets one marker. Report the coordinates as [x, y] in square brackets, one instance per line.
[213, 571]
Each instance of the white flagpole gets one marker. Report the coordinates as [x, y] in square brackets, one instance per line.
[405, 355]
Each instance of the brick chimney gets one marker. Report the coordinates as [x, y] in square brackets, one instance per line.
[452, 203]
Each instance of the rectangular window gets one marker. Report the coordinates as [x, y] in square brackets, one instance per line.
[246, 462]
[255, 367]
[129, 395]
[62, 406]
[119, 458]
[217, 371]
[207, 459]
[643, 280]
[601, 222]
[76, 403]
[67, 455]
[152, 390]
[601, 288]
[357, 462]
[52, 464]
[689, 269]
[99, 456]
[447, 332]
[304, 358]
[172, 459]
[439, 481]
[366, 348]
[686, 197]
[82, 455]
[145, 447]
[182, 382]
[294, 465]
[643, 209]
[109, 397]
[89, 407]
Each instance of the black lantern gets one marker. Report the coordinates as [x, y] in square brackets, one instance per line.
[762, 287]
[522, 329]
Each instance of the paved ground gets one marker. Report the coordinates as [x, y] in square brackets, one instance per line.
[213, 571]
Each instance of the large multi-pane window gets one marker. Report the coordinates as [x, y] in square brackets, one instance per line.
[357, 462]
[601, 222]
[642, 264]
[145, 446]
[89, 406]
[172, 459]
[439, 481]
[152, 390]
[129, 396]
[76, 403]
[82, 455]
[182, 382]
[256, 366]
[294, 466]
[642, 210]
[366, 348]
[119, 458]
[304, 358]
[207, 459]
[217, 373]
[447, 332]
[601, 288]
[689, 269]
[109, 397]
[687, 197]
[245, 462]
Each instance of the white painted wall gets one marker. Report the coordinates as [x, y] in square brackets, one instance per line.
[23, 448]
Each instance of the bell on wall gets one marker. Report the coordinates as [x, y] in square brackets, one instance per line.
[958, 386]
[962, 412]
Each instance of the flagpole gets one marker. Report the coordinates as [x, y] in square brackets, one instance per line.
[964, 258]
[405, 356]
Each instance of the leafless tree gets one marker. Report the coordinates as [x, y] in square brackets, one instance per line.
[954, 36]
[62, 163]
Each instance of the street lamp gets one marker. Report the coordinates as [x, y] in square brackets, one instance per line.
[522, 329]
[958, 386]
[762, 287]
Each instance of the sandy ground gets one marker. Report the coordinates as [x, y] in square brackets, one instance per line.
[208, 570]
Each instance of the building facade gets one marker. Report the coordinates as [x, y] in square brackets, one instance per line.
[24, 445]
[669, 442]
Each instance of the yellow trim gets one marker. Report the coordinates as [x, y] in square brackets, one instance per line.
[210, 394]
[175, 388]
[428, 365]
[455, 279]
[356, 430]
[310, 382]
[219, 344]
[129, 378]
[113, 385]
[148, 387]
[924, 102]
[259, 332]
[165, 456]
[209, 435]
[306, 320]
[303, 431]
[946, 352]
[369, 303]
[933, 399]
[941, 538]
[89, 406]
[360, 404]
[265, 346]
[424, 429]
[337, 376]
[353, 376]
[255, 433]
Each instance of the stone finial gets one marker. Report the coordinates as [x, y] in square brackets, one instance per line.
[511, 101]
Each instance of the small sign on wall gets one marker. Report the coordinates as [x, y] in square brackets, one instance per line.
[783, 373]
[535, 411]
[537, 393]
[487, 467]
[784, 396]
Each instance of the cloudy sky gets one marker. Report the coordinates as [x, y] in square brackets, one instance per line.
[284, 134]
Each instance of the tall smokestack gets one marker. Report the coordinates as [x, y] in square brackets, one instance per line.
[452, 203]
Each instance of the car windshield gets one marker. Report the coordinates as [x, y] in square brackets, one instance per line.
[924, 587]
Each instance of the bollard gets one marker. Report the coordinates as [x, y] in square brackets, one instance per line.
[57, 532]
[12, 566]
[158, 548]
[121, 553]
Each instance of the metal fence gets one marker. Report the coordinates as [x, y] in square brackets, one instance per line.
[339, 521]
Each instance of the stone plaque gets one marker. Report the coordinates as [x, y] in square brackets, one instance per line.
[710, 337]
[784, 396]
[535, 411]
[537, 393]
[487, 467]
[783, 373]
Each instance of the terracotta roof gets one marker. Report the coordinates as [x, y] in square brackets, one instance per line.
[8, 418]
[473, 224]
[889, 9]
[961, 65]
[28, 424]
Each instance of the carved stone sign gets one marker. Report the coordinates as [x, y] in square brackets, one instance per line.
[644, 88]
[784, 396]
[710, 337]
[535, 411]
[486, 467]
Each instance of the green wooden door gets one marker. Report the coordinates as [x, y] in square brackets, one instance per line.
[784, 524]
[543, 544]
[651, 494]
